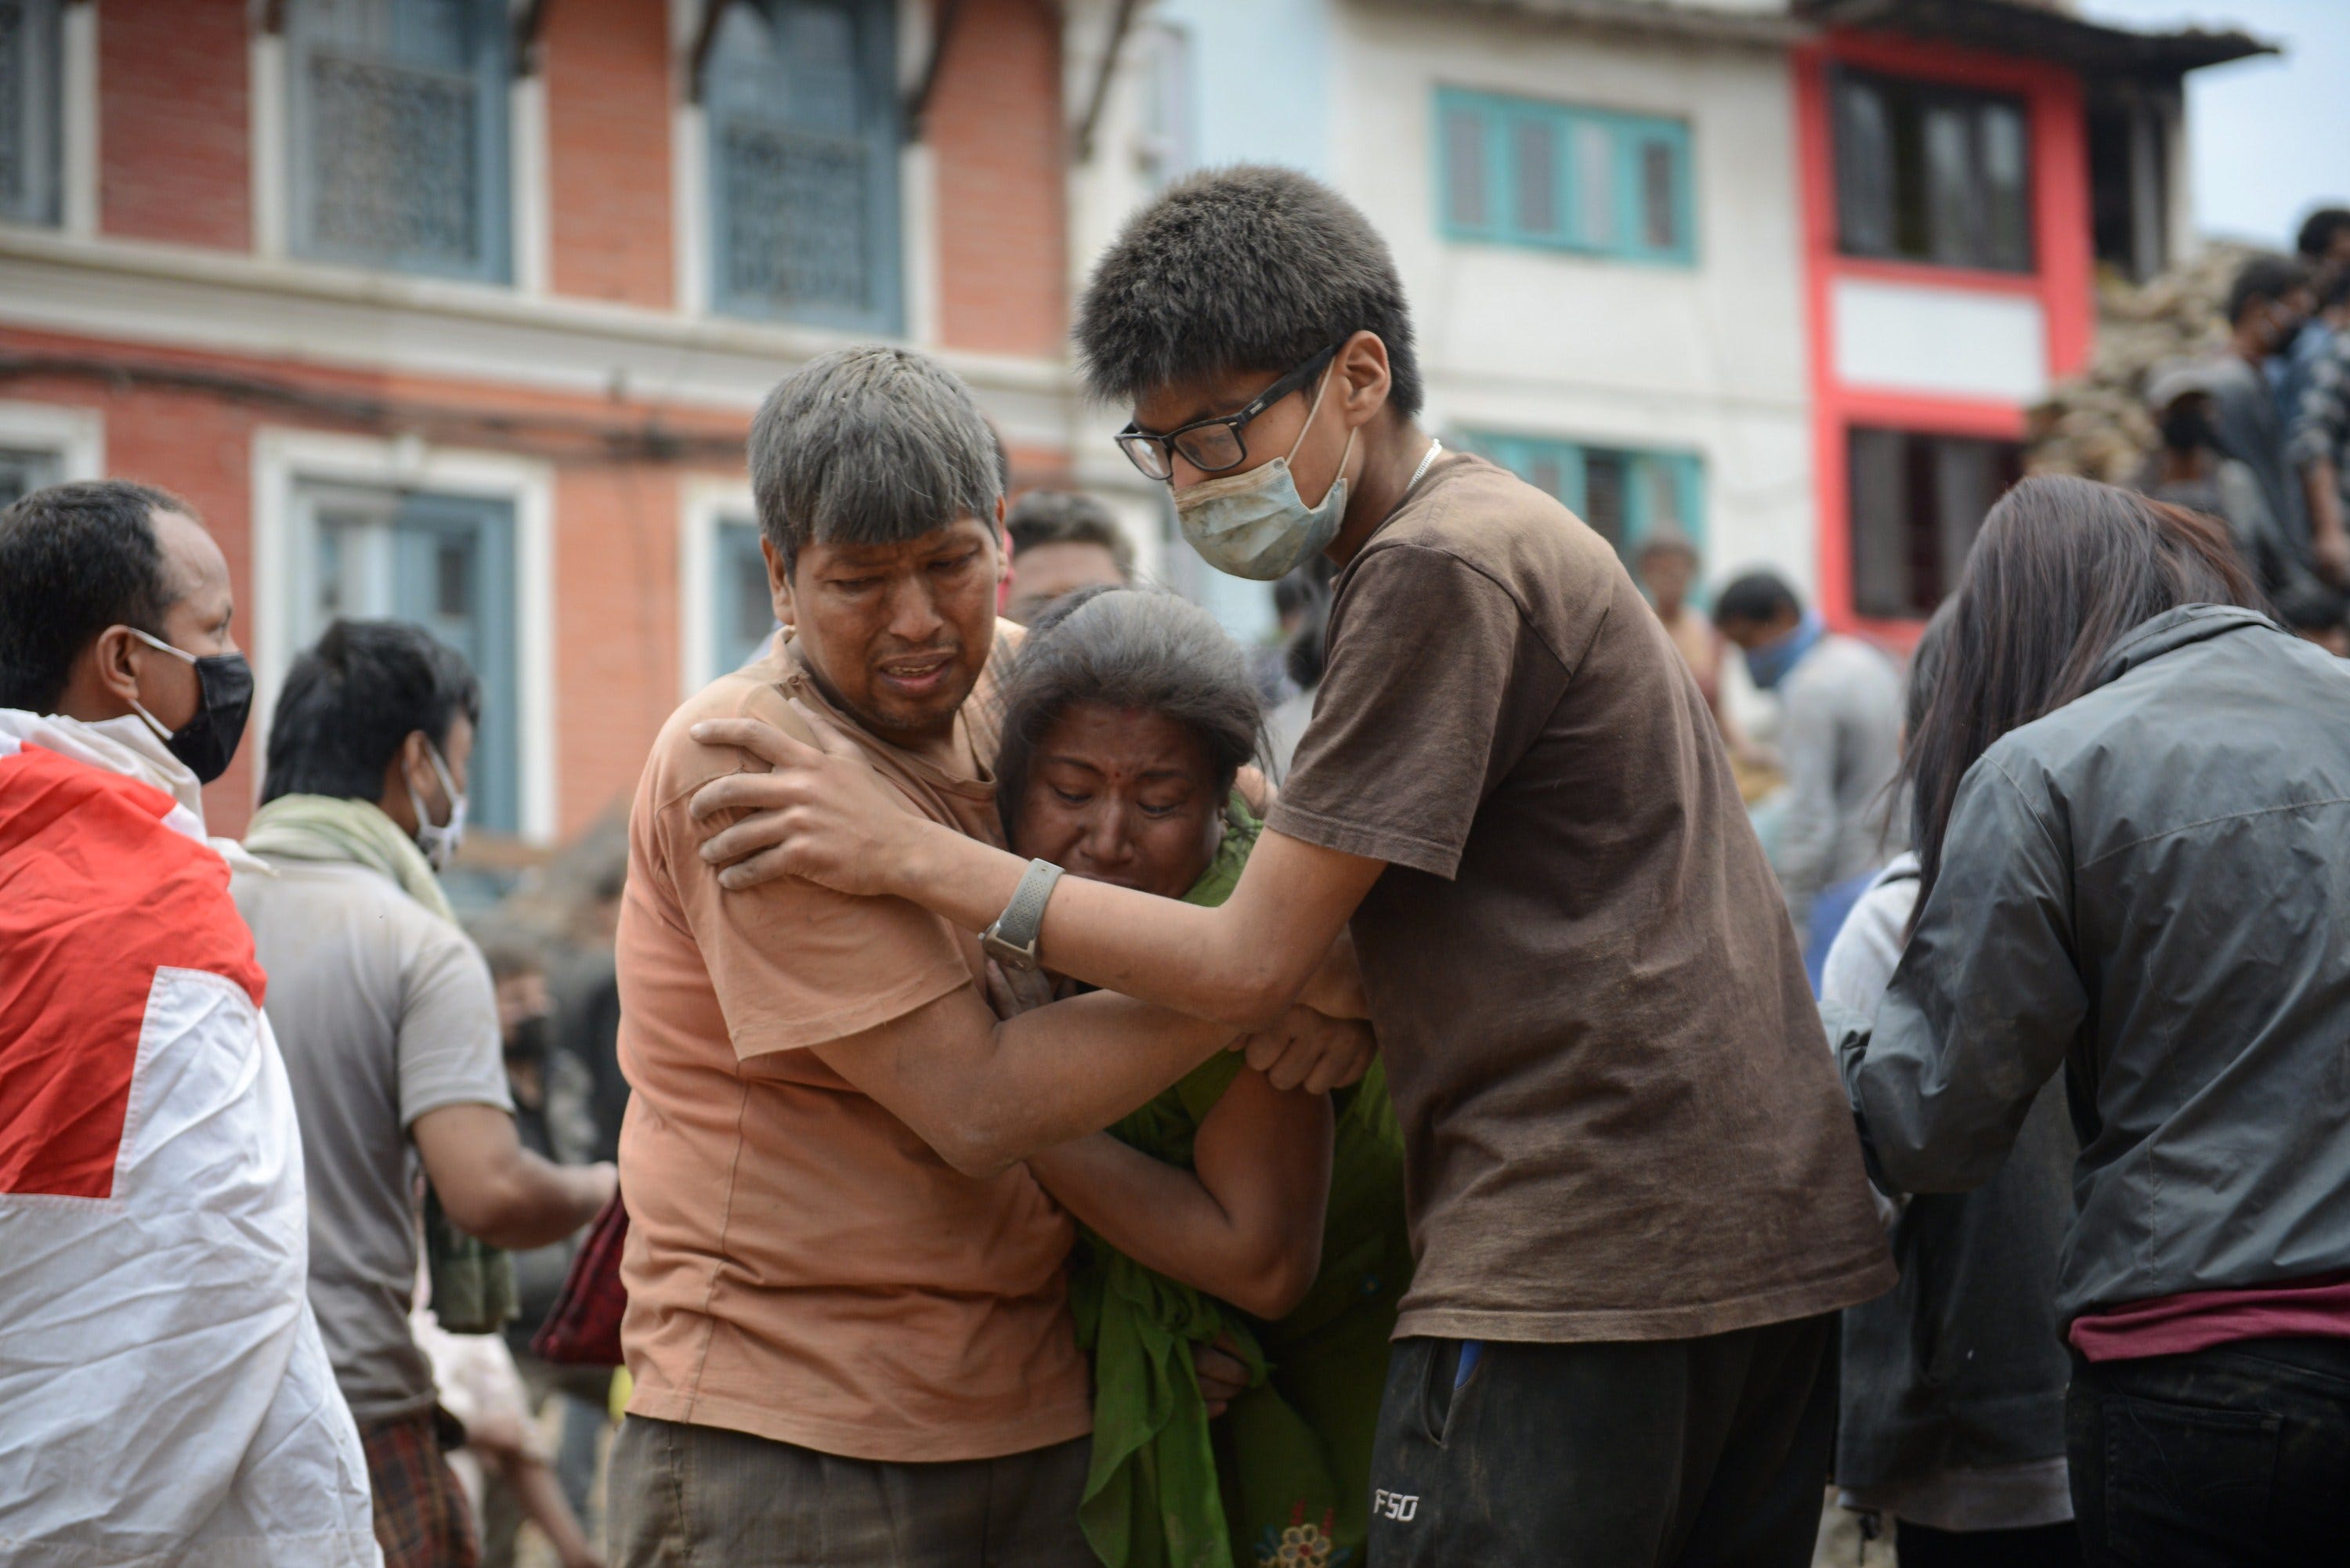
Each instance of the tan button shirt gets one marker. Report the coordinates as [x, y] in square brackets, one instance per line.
[800, 1266]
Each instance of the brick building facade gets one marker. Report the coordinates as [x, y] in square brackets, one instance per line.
[457, 309]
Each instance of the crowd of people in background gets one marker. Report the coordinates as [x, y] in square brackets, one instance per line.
[1054, 1087]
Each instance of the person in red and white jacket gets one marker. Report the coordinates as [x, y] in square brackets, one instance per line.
[165, 1397]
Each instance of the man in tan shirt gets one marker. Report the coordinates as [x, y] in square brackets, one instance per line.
[846, 1326]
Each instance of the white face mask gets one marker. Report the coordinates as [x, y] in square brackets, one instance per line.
[1255, 524]
[439, 842]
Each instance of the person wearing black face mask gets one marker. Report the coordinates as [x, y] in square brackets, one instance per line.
[2189, 470]
[138, 1069]
[166, 678]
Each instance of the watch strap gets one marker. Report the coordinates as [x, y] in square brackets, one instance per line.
[1012, 940]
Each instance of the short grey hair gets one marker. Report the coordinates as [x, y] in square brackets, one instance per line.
[871, 445]
[1139, 649]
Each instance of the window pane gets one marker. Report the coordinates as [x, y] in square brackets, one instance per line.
[798, 217]
[804, 145]
[1660, 210]
[1605, 474]
[1595, 185]
[30, 67]
[454, 580]
[2007, 237]
[1917, 501]
[399, 132]
[22, 472]
[1880, 570]
[746, 610]
[1661, 489]
[1464, 168]
[1864, 159]
[1545, 474]
[1535, 172]
[1953, 194]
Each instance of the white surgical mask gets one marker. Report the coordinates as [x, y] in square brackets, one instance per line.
[439, 841]
[1255, 524]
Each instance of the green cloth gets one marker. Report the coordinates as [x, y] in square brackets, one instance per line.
[473, 1289]
[1288, 1467]
[325, 828]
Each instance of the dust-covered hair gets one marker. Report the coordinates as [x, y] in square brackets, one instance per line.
[1246, 269]
[871, 445]
[1135, 649]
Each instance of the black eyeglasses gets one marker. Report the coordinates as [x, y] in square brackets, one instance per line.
[1212, 445]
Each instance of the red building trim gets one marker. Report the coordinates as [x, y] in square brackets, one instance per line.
[2061, 282]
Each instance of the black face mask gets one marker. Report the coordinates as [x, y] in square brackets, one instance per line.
[223, 698]
[2186, 429]
[530, 1039]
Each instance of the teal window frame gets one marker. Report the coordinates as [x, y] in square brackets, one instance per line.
[1561, 469]
[1505, 131]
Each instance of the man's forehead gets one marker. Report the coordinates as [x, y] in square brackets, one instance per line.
[962, 531]
[192, 557]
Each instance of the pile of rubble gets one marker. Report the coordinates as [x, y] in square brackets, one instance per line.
[2096, 423]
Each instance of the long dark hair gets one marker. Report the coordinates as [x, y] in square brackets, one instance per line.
[1127, 648]
[2063, 569]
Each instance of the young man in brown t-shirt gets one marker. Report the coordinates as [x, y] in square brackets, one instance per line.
[846, 1326]
[1637, 1200]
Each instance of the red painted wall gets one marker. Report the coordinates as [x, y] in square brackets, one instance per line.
[173, 143]
[609, 90]
[997, 132]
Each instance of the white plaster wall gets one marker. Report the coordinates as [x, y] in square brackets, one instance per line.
[1709, 358]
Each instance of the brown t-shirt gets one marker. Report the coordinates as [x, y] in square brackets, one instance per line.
[1619, 1113]
[800, 1266]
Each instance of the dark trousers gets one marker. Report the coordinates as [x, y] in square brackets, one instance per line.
[1616, 1455]
[2044, 1546]
[2239, 1454]
[681, 1495]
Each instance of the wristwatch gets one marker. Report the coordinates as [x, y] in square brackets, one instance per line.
[1012, 940]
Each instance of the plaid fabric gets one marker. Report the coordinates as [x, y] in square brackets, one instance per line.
[583, 1328]
[2321, 426]
[421, 1520]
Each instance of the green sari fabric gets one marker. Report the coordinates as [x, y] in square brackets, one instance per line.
[1285, 1476]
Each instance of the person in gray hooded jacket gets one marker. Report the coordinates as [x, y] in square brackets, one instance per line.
[2133, 804]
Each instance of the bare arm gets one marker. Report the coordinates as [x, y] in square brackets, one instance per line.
[2329, 538]
[1244, 1225]
[986, 1093]
[822, 815]
[497, 1190]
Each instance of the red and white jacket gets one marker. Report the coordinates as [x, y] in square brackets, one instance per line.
[164, 1395]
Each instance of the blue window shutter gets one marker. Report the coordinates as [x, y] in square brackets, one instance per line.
[31, 66]
[803, 125]
[398, 135]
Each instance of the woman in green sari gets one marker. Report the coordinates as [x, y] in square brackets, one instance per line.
[1227, 1212]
